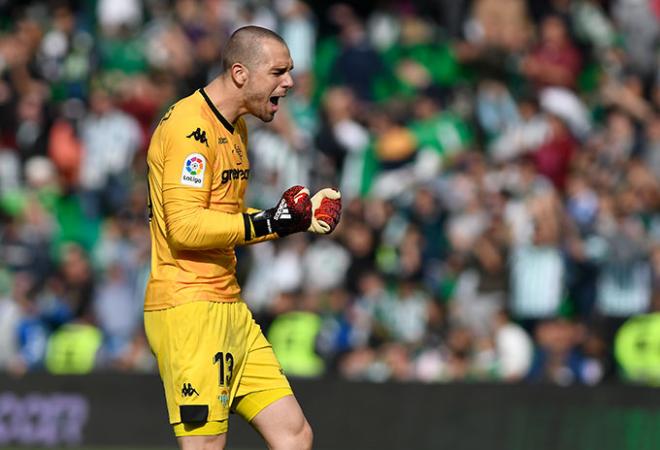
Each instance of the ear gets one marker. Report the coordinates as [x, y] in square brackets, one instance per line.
[239, 74]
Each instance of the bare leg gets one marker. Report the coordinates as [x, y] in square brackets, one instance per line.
[216, 442]
[283, 425]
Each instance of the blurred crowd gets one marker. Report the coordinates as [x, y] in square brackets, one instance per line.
[499, 162]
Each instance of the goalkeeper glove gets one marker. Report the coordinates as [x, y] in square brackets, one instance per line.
[326, 211]
[293, 213]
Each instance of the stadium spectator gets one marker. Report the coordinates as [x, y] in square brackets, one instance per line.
[499, 163]
[513, 348]
[558, 359]
[9, 317]
[555, 61]
[357, 63]
[110, 139]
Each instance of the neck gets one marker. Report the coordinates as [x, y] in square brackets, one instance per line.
[225, 97]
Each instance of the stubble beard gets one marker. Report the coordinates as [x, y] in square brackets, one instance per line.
[256, 108]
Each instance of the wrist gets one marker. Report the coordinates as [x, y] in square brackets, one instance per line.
[262, 223]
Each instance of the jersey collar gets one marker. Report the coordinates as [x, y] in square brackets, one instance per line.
[220, 117]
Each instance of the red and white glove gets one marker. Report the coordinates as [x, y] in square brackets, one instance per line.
[326, 211]
[293, 213]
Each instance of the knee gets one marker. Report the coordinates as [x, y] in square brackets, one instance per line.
[305, 437]
[298, 438]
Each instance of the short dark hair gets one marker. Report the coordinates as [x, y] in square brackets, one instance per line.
[244, 46]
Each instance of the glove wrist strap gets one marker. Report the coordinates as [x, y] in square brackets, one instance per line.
[262, 224]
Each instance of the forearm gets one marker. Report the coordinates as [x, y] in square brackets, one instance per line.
[190, 224]
[198, 228]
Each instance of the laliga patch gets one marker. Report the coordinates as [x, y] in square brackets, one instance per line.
[192, 173]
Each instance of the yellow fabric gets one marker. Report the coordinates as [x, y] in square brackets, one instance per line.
[261, 373]
[72, 349]
[640, 363]
[249, 406]
[198, 175]
[200, 429]
[294, 336]
[190, 340]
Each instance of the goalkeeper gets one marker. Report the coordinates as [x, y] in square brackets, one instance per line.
[212, 357]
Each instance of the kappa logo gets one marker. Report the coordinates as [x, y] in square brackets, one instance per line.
[188, 390]
[222, 140]
[282, 211]
[199, 135]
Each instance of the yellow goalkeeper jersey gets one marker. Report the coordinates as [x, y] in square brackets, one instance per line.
[198, 175]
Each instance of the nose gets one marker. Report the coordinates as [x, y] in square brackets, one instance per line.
[287, 83]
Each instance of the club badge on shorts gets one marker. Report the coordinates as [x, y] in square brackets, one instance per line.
[224, 398]
[192, 173]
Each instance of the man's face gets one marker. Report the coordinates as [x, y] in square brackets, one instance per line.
[268, 80]
[553, 31]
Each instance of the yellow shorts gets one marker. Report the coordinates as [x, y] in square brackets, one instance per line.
[213, 358]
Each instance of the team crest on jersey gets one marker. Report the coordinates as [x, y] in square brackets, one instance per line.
[238, 152]
[192, 173]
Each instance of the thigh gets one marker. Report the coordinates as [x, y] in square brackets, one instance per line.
[282, 423]
[202, 442]
[198, 346]
[262, 380]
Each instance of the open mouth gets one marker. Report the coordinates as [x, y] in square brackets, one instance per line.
[274, 100]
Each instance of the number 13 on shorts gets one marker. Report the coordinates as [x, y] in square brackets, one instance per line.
[226, 363]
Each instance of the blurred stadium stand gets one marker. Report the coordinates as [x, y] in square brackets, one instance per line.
[500, 168]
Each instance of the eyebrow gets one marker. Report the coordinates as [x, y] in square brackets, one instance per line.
[281, 68]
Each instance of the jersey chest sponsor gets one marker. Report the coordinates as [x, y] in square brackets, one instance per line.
[234, 174]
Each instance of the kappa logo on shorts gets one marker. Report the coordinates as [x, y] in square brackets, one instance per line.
[192, 173]
[188, 390]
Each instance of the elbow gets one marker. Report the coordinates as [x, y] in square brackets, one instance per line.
[181, 229]
[177, 237]
[176, 243]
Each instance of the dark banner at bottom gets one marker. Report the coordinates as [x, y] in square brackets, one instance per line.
[113, 410]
